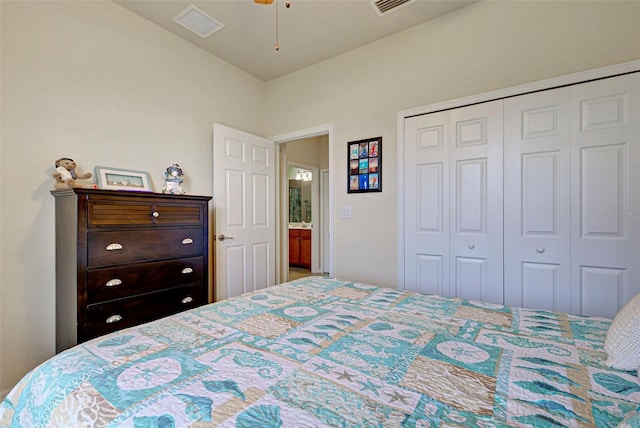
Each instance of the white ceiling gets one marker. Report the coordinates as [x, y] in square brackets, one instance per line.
[309, 32]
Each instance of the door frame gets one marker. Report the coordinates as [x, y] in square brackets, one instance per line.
[541, 85]
[282, 227]
[325, 190]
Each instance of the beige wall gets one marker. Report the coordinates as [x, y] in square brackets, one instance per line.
[313, 151]
[487, 46]
[92, 81]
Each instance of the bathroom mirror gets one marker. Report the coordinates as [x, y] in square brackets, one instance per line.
[299, 195]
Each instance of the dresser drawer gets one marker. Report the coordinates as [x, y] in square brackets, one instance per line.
[109, 248]
[107, 317]
[124, 281]
[122, 212]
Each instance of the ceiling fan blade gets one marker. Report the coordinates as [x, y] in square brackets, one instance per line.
[263, 1]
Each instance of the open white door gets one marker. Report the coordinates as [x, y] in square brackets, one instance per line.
[244, 202]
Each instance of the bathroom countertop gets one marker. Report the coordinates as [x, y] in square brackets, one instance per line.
[300, 226]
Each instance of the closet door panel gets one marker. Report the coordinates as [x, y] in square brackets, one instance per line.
[540, 285]
[471, 278]
[537, 192]
[429, 277]
[471, 196]
[541, 193]
[476, 266]
[429, 206]
[605, 236]
[426, 172]
[602, 290]
[602, 177]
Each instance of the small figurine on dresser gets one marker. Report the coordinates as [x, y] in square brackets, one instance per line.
[65, 174]
[173, 178]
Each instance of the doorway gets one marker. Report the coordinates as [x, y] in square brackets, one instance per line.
[305, 230]
[305, 238]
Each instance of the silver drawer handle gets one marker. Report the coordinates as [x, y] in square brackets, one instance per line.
[187, 241]
[114, 246]
[155, 214]
[187, 299]
[114, 318]
[187, 270]
[114, 282]
[540, 250]
[471, 246]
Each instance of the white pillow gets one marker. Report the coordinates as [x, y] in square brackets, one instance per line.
[622, 343]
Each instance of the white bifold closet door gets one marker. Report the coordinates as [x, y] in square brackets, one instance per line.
[605, 195]
[569, 237]
[453, 203]
[572, 219]
[537, 200]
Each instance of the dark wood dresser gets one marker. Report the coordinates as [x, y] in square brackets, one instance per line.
[124, 258]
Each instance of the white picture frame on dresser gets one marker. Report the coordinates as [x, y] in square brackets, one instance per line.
[122, 179]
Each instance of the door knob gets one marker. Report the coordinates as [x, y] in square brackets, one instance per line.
[222, 237]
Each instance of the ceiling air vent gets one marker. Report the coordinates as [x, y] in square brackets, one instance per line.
[383, 7]
[197, 21]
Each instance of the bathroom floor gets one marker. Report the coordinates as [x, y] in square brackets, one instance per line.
[297, 272]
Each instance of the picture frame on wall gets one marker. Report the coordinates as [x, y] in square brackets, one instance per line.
[364, 165]
[122, 179]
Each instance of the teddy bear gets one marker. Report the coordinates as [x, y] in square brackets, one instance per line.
[65, 174]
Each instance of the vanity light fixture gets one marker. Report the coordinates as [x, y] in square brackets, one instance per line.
[303, 175]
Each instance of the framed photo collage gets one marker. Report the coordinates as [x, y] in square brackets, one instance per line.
[365, 165]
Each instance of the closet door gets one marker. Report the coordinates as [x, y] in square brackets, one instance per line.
[572, 205]
[426, 222]
[537, 192]
[453, 203]
[605, 182]
[476, 226]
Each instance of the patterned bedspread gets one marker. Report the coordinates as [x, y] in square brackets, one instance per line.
[323, 352]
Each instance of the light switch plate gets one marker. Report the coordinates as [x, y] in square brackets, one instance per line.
[345, 211]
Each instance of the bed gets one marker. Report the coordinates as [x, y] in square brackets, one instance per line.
[321, 352]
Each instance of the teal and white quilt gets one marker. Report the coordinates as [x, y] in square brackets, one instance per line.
[323, 352]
